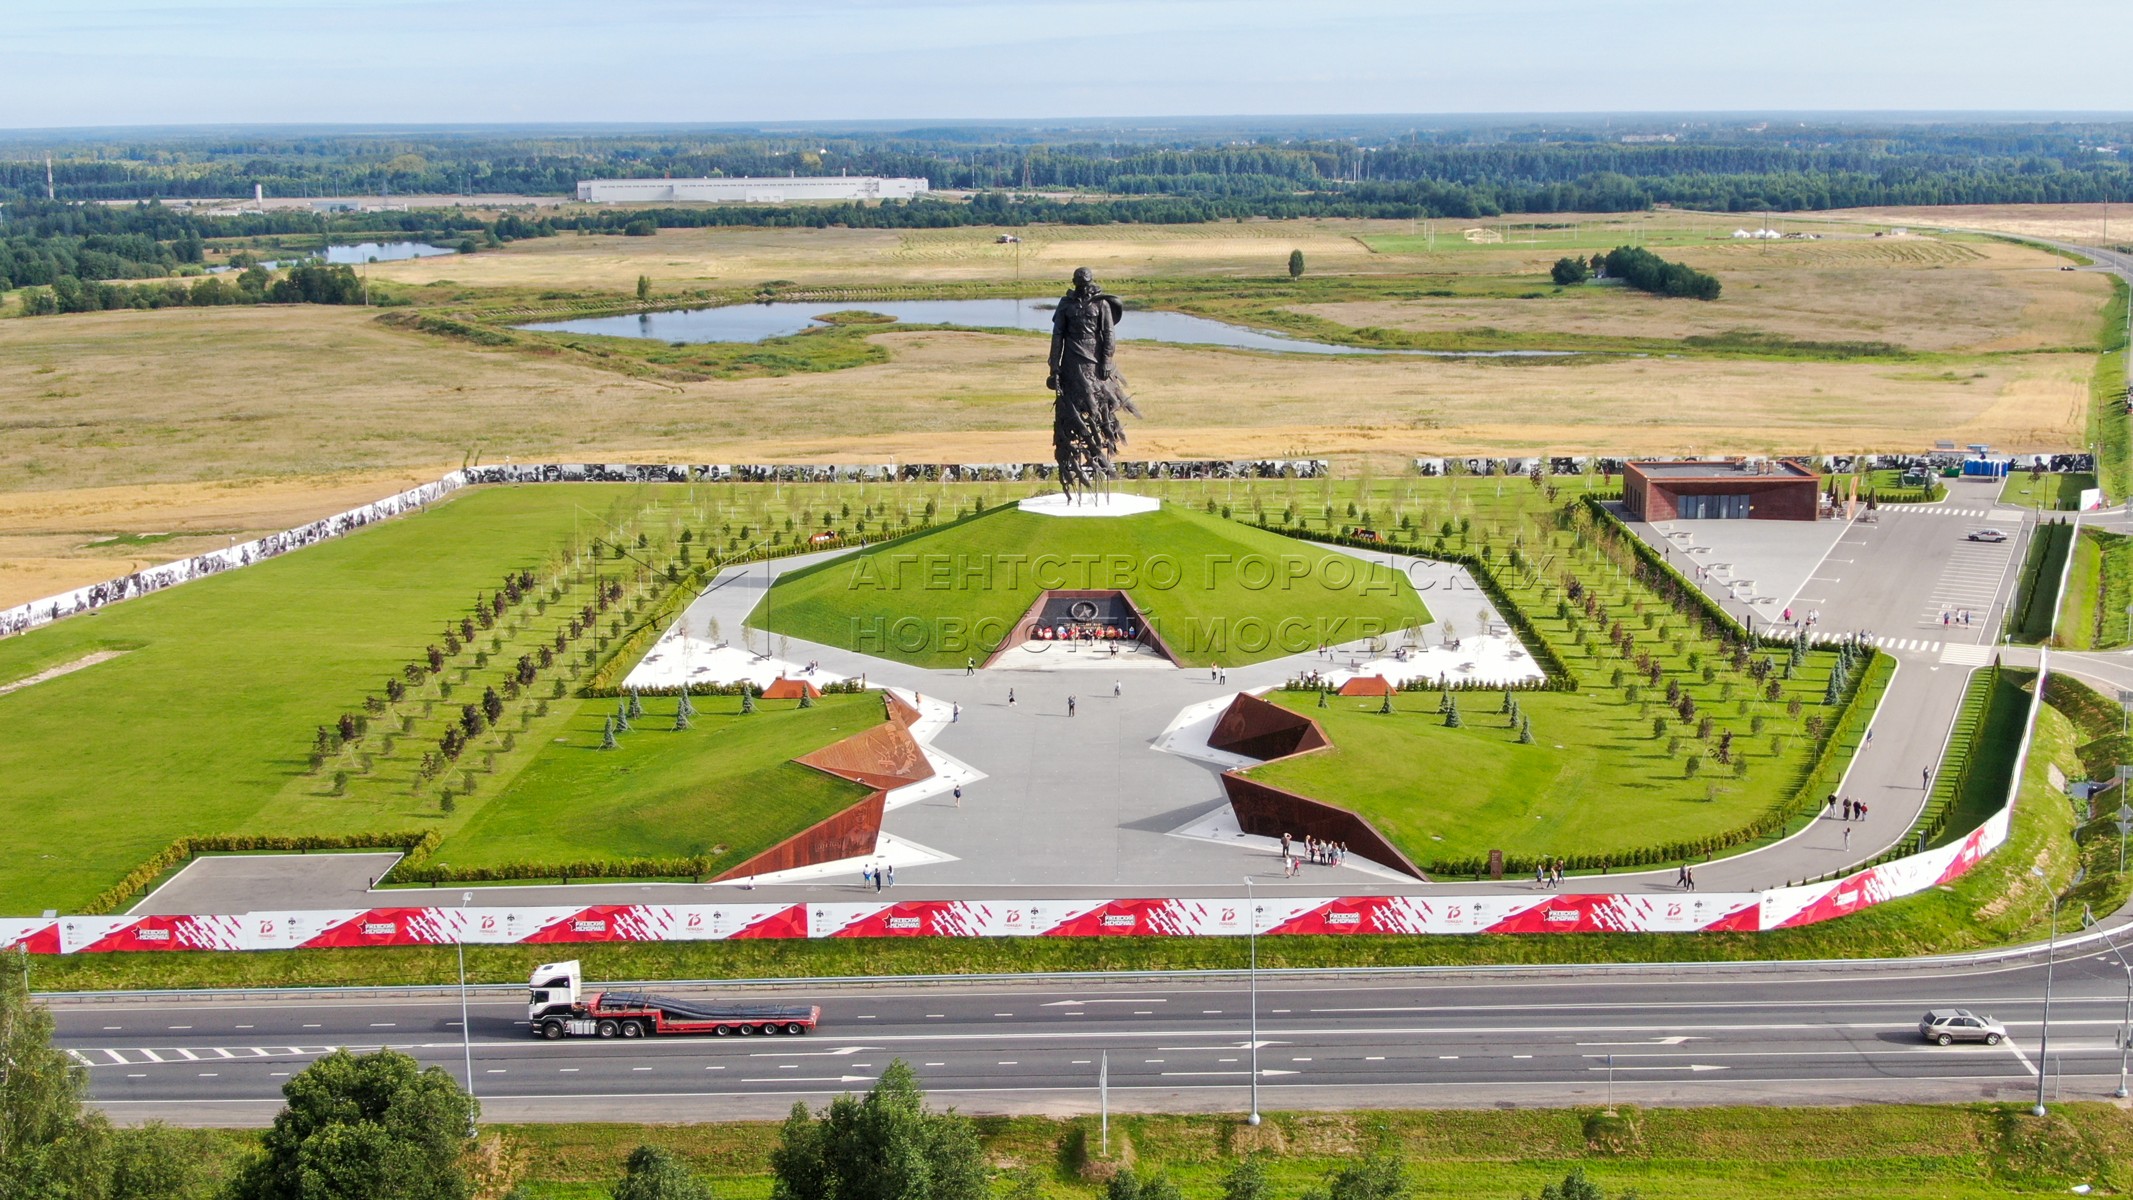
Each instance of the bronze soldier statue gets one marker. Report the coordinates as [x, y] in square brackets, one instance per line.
[1088, 392]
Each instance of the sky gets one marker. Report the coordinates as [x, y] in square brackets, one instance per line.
[170, 62]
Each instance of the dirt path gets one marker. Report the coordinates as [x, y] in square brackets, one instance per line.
[67, 668]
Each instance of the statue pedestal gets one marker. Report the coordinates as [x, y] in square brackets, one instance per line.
[1115, 504]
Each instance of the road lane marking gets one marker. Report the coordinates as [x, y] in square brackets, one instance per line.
[1678, 1067]
[2019, 1056]
[116, 1057]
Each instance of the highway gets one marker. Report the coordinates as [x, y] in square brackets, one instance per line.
[1766, 1033]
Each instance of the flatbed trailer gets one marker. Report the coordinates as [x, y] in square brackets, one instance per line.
[556, 1012]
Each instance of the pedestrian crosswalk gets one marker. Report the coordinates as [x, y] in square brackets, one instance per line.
[1963, 655]
[2009, 515]
[137, 1056]
[1956, 653]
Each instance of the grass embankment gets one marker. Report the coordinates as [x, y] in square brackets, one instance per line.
[1971, 781]
[1217, 591]
[2094, 614]
[1872, 1152]
[2036, 602]
[2110, 428]
[2061, 493]
[720, 791]
[1596, 778]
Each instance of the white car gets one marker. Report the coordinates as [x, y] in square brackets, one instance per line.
[1945, 1026]
[1987, 535]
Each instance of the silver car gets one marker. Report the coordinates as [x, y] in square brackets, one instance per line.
[1949, 1025]
[1987, 535]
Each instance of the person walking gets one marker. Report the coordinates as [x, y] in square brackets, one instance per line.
[1118, 688]
[955, 713]
[1681, 877]
[1690, 874]
[1847, 837]
[970, 666]
[1070, 706]
[1847, 810]
[1925, 778]
[1285, 843]
[866, 875]
[1010, 697]
[892, 874]
[959, 795]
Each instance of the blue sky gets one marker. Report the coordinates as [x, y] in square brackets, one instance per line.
[102, 62]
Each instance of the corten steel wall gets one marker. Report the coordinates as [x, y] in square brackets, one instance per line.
[884, 758]
[848, 834]
[1270, 812]
[1257, 729]
[1770, 497]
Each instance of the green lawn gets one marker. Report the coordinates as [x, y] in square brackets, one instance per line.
[1217, 591]
[203, 726]
[1971, 781]
[725, 787]
[2050, 492]
[1594, 782]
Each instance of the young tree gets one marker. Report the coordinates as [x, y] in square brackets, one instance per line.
[1378, 1177]
[656, 1173]
[1247, 1180]
[1568, 271]
[607, 734]
[883, 1146]
[49, 1144]
[364, 1127]
[644, 287]
[1296, 264]
[1576, 1187]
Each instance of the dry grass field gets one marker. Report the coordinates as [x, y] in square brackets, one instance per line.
[1919, 293]
[2082, 224]
[207, 424]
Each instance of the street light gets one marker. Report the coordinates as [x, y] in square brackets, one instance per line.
[2125, 1035]
[466, 1036]
[2051, 951]
[1252, 915]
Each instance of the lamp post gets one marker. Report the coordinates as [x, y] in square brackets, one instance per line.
[2051, 952]
[1252, 914]
[466, 1035]
[2125, 1034]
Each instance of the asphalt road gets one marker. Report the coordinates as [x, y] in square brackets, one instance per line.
[1765, 1034]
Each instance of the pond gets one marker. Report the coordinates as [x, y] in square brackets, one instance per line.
[363, 252]
[755, 322]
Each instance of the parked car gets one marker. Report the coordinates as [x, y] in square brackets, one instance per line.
[1987, 535]
[1946, 1026]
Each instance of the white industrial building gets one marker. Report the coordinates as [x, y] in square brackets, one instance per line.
[746, 190]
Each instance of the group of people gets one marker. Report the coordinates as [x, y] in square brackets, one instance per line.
[1685, 878]
[1317, 853]
[1850, 810]
[1090, 632]
[1960, 616]
[881, 875]
[1549, 873]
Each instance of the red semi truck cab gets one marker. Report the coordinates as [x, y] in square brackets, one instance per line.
[555, 1011]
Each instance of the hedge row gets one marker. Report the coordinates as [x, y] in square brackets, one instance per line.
[693, 868]
[128, 889]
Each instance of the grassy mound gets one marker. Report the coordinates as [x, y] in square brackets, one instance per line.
[1218, 592]
[725, 787]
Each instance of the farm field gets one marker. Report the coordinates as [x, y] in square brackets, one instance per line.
[2079, 223]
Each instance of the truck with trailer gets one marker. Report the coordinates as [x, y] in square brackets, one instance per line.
[555, 1011]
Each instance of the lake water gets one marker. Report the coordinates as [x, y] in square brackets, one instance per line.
[362, 252]
[755, 322]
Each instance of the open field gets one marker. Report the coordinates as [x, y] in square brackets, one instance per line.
[959, 590]
[145, 396]
[1876, 1152]
[205, 724]
[2082, 224]
[723, 789]
[1917, 293]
